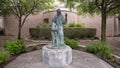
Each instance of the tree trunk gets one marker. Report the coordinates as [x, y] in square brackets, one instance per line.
[19, 29]
[103, 26]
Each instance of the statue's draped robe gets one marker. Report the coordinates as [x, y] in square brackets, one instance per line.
[57, 31]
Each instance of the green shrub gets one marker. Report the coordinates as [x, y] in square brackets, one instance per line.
[72, 33]
[79, 33]
[15, 46]
[69, 25]
[101, 49]
[4, 56]
[80, 25]
[72, 43]
[43, 25]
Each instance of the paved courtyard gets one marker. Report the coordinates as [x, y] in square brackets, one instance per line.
[80, 60]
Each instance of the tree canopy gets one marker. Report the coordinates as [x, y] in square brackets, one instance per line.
[92, 6]
[103, 7]
[21, 9]
[24, 6]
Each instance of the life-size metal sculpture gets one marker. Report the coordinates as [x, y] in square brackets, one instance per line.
[57, 31]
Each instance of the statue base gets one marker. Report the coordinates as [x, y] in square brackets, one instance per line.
[57, 57]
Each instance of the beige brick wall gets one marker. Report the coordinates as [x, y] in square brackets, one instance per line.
[33, 20]
[12, 24]
[95, 22]
[90, 21]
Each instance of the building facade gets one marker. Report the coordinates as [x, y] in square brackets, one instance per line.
[11, 23]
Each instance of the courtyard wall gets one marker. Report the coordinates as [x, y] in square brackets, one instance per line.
[33, 20]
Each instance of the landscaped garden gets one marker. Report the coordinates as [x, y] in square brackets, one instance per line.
[13, 48]
[79, 37]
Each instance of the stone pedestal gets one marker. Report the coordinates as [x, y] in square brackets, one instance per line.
[57, 57]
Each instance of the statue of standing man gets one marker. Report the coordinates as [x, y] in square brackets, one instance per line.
[57, 31]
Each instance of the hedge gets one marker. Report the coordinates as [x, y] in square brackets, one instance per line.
[45, 33]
